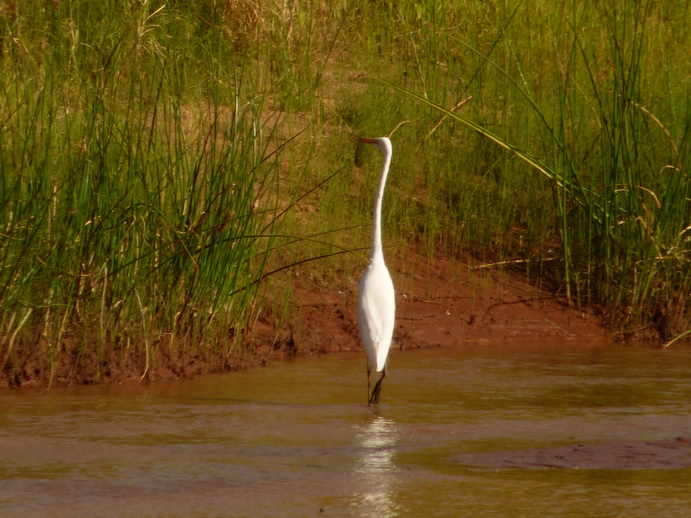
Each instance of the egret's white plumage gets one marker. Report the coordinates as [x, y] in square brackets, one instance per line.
[376, 299]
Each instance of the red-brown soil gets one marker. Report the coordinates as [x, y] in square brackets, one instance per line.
[443, 302]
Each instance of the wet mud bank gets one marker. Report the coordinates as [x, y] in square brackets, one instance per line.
[667, 454]
[440, 303]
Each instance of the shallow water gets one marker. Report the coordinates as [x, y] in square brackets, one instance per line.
[296, 439]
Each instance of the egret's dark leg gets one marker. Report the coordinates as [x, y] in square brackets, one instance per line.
[368, 382]
[374, 398]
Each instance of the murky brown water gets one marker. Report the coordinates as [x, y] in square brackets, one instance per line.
[296, 439]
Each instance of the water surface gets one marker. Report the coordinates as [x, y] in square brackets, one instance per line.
[296, 439]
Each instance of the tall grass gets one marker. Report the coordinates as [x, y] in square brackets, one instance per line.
[606, 122]
[158, 160]
[131, 178]
[552, 136]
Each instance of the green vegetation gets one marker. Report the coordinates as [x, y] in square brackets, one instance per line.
[159, 159]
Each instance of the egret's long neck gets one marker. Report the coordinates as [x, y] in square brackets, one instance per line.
[377, 251]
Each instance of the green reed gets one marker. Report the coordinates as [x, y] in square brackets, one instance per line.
[131, 187]
[163, 163]
[592, 99]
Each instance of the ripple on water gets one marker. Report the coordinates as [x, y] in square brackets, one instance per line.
[296, 437]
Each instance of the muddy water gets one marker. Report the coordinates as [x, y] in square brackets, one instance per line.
[295, 439]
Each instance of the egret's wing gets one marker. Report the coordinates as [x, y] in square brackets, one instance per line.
[373, 312]
[376, 314]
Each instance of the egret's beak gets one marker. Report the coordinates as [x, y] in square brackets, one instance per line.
[368, 140]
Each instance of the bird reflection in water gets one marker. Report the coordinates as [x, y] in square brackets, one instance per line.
[376, 442]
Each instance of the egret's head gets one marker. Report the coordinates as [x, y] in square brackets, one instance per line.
[383, 143]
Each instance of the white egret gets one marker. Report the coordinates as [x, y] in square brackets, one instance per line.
[376, 306]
